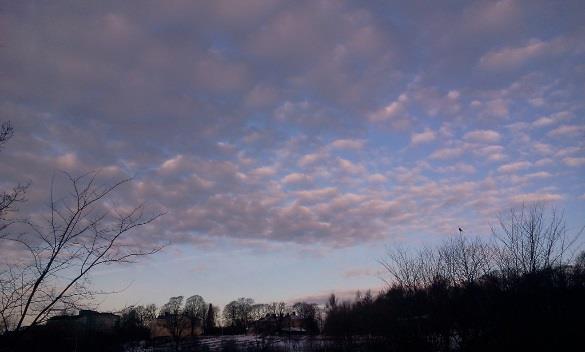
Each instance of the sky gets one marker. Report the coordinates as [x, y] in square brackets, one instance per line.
[291, 142]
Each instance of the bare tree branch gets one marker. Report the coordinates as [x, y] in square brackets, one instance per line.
[80, 233]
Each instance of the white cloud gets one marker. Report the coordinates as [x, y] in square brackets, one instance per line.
[453, 94]
[446, 153]
[350, 167]
[173, 164]
[426, 136]
[540, 174]
[457, 168]
[551, 119]
[317, 194]
[491, 152]
[354, 144]
[295, 178]
[536, 197]
[543, 148]
[574, 162]
[309, 159]
[513, 167]
[544, 162]
[513, 57]
[393, 110]
[482, 136]
[67, 161]
[496, 108]
[377, 178]
[264, 171]
[567, 130]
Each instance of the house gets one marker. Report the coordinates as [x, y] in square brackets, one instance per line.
[87, 321]
[273, 324]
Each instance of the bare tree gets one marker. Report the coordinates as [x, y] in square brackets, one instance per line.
[9, 199]
[195, 310]
[80, 232]
[6, 132]
[136, 321]
[580, 261]
[280, 309]
[460, 260]
[230, 314]
[176, 322]
[405, 269]
[463, 260]
[532, 238]
[259, 311]
[141, 316]
[308, 312]
[9, 278]
[238, 313]
[430, 266]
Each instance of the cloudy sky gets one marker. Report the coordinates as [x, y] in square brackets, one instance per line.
[291, 141]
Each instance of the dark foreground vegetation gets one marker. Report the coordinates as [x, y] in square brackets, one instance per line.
[543, 310]
[523, 291]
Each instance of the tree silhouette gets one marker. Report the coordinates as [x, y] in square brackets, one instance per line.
[176, 322]
[59, 251]
[210, 320]
[195, 310]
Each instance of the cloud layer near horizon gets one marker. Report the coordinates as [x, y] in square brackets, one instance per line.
[325, 122]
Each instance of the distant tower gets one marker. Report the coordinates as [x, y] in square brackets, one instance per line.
[460, 231]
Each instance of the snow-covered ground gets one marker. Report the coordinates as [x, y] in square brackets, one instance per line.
[242, 343]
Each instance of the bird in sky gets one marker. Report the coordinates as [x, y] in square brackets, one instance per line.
[460, 230]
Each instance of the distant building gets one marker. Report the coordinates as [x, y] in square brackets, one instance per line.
[273, 324]
[87, 321]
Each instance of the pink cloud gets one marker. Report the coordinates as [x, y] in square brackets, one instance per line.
[543, 148]
[496, 108]
[174, 164]
[67, 162]
[295, 178]
[350, 167]
[536, 197]
[264, 171]
[567, 130]
[513, 57]
[354, 144]
[457, 168]
[377, 178]
[311, 158]
[482, 136]
[447, 153]
[394, 110]
[491, 152]
[552, 119]
[514, 167]
[426, 136]
[574, 162]
[314, 195]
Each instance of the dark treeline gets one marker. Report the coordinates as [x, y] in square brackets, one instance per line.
[178, 324]
[540, 310]
[519, 292]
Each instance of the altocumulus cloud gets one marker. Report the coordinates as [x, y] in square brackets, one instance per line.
[320, 122]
